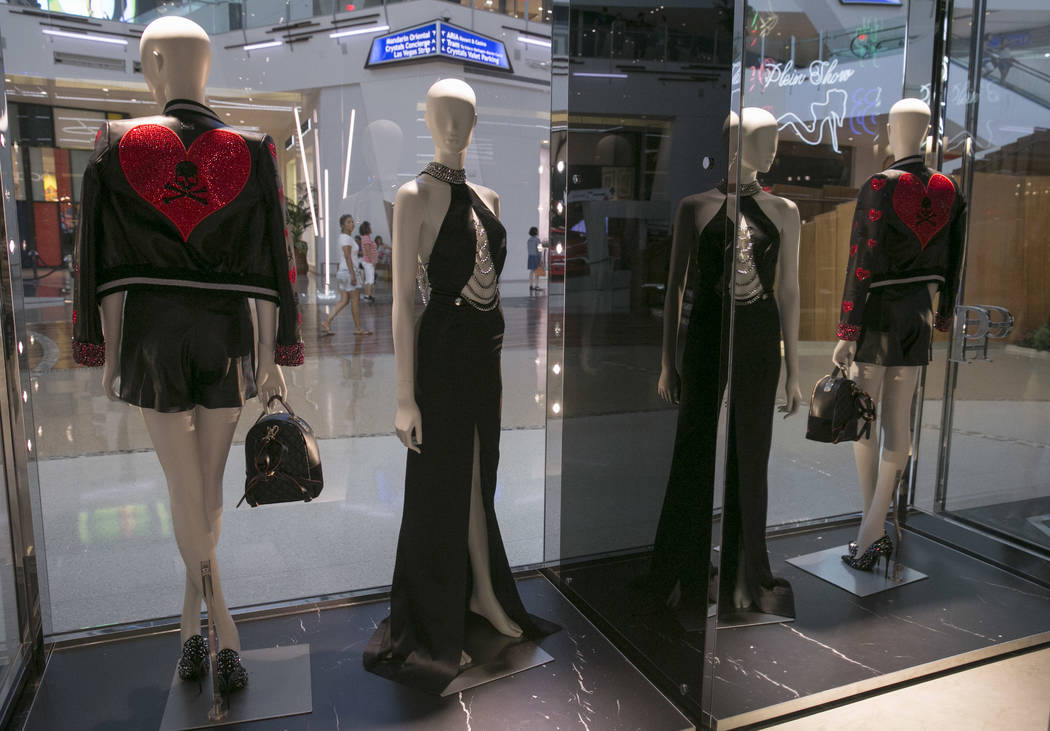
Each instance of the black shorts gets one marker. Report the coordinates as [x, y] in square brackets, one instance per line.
[184, 348]
[897, 327]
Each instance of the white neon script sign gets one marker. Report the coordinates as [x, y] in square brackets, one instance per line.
[785, 75]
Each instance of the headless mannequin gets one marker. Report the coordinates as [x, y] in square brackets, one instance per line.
[192, 446]
[419, 210]
[758, 150]
[891, 387]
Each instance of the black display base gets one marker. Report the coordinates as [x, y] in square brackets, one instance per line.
[123, 685]
[828, 565]
[278, 686]
[493, 656]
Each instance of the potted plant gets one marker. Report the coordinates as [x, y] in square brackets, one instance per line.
[297, 214]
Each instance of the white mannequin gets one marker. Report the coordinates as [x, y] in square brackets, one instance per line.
[758, 150]
[192, 446]
[419, 209]
[909, 121]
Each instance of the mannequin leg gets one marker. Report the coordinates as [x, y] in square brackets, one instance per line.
[898, 391]
[189, 445]
[483, 599]
[866, 450]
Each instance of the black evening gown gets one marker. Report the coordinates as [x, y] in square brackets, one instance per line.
[683, 539]
[458, 390]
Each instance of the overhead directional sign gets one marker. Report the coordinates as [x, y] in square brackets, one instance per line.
[438, 40]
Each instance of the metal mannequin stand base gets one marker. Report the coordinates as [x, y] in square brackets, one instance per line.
[827, 565]
[278, 684]
[493, 656]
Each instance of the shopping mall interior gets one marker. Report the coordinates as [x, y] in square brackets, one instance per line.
[600, 126]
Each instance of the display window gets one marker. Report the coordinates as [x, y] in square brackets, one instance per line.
[691, 354]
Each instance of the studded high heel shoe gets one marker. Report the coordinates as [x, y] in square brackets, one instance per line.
[193, 665]
[232, 675]
[881, 547]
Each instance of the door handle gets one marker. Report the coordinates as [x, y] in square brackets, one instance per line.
[975, 325]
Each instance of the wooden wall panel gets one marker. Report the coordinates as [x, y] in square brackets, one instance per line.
[1009, 254]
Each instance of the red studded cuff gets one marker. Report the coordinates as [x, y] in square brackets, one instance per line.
[847, 332]
[289, 355]
[944, 324]
[89, 354]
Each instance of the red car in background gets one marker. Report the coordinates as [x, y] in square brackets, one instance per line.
[567, 257]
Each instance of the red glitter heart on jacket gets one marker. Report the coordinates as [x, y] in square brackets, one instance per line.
[186, 185]
[847, 306]
[863, 274]
[877, 183]
[874, 215]
[923, 208]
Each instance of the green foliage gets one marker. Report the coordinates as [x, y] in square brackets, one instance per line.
[297, 214]
[1041, 338]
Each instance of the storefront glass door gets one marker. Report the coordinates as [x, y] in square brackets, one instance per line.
[994, 469]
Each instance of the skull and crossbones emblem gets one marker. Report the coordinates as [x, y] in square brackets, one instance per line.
[185, 185]
[926, 213]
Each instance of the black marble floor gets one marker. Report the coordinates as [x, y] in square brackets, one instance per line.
[839, 644]
[122, 686]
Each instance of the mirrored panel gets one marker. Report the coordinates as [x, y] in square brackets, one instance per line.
[637, 252]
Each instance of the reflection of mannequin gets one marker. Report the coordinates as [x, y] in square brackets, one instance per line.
[887, 319]
[191, 433]
[383, 145]
[771, 225]
[447, 525]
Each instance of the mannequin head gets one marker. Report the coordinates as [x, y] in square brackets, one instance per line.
[907, 127]
[451, 114]
[758, 147]
[176, 59]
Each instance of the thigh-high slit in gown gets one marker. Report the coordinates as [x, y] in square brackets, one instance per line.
[681, 553]
[458, 390]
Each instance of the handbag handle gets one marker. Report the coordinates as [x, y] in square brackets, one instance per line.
[266, 409]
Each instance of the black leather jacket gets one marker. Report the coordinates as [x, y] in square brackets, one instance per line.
[181, 200]
[909, 226]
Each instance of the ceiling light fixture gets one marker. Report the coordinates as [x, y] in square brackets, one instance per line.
[83, 36]
[534, 41]
[263, 44]
[593, 75]
[359, 31]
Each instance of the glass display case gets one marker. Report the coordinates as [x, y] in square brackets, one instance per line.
[691, 197]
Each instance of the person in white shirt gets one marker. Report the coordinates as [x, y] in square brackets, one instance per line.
[346, 279]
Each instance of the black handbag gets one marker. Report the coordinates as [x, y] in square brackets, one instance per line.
[839, 410]
[282, 463]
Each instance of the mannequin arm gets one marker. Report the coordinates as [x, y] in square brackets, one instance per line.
[408, 229]
[112, 325]
[678, 270]
[788, 302]
[268, 377]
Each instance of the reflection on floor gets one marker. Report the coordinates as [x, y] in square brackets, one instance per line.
[122, 686]
[1028, 520]
[965, 610]
[112, 558]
